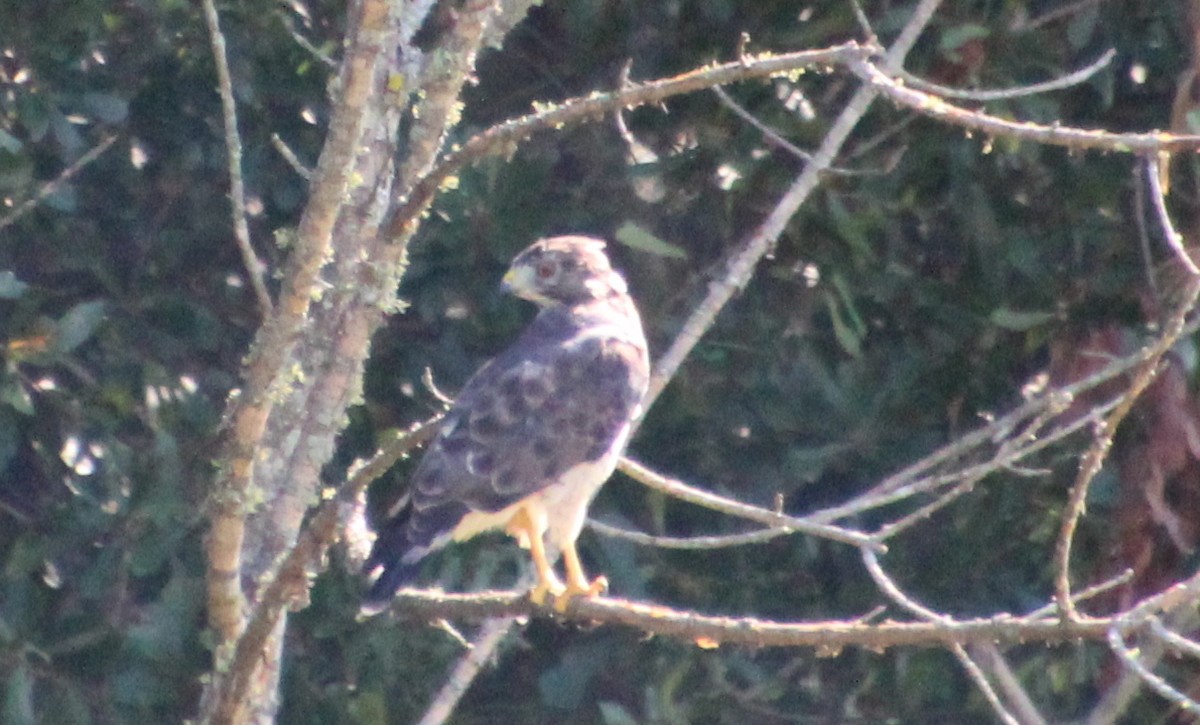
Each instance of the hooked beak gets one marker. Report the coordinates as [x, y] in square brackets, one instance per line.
[517, 281]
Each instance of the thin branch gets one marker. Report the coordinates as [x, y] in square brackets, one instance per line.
[1085, 594]
[1139, 217]
[763, 239]
[1119, 695]
[233, 148]
[864, 24]
[291, 158]
[684, 492]
[699, 543]
[1055, 15]
[290, 25]
[1130, 659]
[1174, 640]
[1056, 84]
[485, 642]
[905, 485]
[1096, 454]
[936, 107]
[992, 661]
[1159, 200]
[51, 186]
[422, 605]
[769, 133]
[897, 595]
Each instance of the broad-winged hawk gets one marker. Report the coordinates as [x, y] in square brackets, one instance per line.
[535, 432]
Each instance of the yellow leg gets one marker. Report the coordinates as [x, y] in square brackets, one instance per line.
[577, 583]
[548, 583]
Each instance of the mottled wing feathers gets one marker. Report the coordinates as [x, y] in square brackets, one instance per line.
[560, 396]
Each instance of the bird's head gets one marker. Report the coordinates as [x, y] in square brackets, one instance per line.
[563, 271]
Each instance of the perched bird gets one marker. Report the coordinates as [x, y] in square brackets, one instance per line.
[535, 432]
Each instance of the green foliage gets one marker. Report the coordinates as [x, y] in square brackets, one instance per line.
[900, 304]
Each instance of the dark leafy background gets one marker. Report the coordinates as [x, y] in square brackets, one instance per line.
[908, 297]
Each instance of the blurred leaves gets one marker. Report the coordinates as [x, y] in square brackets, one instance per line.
[910, 297]
[637, 238]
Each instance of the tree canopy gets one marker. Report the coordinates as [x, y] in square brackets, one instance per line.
[941, 335]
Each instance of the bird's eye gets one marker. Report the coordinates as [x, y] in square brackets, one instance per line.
[545, 270]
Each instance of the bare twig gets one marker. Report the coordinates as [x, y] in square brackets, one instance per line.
[290, 25]
[1139, 218]
[936, 107]
[1174, 640]
[991, 660]
[1056, 14]
[769, 133]
[684, 492]
[500, 138]
[864, 24]
[1178, 604]
[690, 542]
[897, 595]
[1131, 660]
[483, 645]
[1056, 84]
[1159, 200]
[233, 148]
[1085, 594]
[51, 186]
[291, 158]
[741, 268]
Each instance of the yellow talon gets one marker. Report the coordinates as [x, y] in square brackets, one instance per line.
[562, 600]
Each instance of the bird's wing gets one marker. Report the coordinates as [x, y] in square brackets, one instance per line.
[542, 407]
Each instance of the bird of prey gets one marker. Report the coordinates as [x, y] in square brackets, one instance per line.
[535, 432]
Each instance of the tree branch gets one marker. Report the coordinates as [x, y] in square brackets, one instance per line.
[52, 185]
[741, 268]
[1074, 138]
[829, 636]
[1096, 454]
[502, 137]
[1055, 84]
[233, 148]
[265, 368]
[291, 579]
[684, 492]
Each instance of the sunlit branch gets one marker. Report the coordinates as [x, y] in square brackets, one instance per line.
[501, 137]
[483, 645]
[829, 636]
[772, 136]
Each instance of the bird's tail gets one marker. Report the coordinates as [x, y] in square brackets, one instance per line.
[391, 577]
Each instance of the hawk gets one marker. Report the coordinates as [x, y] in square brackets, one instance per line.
[535, 432]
